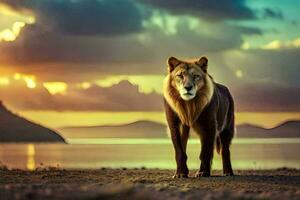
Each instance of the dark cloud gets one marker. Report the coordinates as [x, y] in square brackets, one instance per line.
[270, 80]
[21, 97]
[266, 97]
[44, 52]
[39, 45]
[248, 30]
[271, 13]
[209, 10]
[214, 10]
[62, 41]
[84, 17]
[280, 65]
[121, 97]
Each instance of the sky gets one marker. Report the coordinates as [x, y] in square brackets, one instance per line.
[110, 55]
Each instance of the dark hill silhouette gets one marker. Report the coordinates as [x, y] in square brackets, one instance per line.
[149, 129]
[138, 129]
[14, 128]
[288, 129]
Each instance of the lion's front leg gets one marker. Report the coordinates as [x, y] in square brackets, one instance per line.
[180, 155]
[179, 147]
[207, 150]
[181, 158]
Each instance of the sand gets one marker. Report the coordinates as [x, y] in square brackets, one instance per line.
[106, 183]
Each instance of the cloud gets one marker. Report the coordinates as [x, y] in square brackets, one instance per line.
[121, 97]
[76, 41]
[84, 17]
[249, 97]
[271, 13]
[277, 44]
[46, 53]
[38, 45]
[279, 66]
[70, 39]
[266, 97]
[210, 10]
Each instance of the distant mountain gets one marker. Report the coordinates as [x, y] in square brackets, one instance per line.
[289, 129]
[149, 129]
[14, 128]
[139, 129]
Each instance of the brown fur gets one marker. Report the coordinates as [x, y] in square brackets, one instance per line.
[210, 113]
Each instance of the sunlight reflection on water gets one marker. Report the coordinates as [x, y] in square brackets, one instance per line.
[30, 157]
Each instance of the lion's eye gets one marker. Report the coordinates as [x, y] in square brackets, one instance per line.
[197, 76]
[179, 76]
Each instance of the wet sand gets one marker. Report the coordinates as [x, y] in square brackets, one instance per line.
[106, 183]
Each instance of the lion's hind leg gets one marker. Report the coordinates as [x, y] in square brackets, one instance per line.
[226, 137]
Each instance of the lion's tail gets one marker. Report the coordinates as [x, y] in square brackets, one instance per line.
[218, 144]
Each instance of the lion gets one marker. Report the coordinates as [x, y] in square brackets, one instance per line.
[193, 100]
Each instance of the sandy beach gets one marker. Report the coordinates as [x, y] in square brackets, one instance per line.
[106, 183]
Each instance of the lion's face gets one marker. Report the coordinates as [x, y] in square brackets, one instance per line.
[187, 80]
[187, 77]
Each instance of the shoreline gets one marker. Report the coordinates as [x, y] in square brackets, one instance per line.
[142, 183]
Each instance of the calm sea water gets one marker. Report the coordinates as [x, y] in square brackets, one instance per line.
[150, 153]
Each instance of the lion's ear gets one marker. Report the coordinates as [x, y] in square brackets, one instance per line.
[172, 63]
[202, 62]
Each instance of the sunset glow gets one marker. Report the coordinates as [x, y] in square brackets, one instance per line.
[277, 44]
[56, 87]
[10, 35]
[85, 85]
[146, 83]
[17, 76]
[30, 81]
[4, 81]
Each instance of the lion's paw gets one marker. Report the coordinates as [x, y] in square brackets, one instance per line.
[180, 175]
[202, 174]
[228, 174]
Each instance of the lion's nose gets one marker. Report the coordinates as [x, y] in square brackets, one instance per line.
[188, 88]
